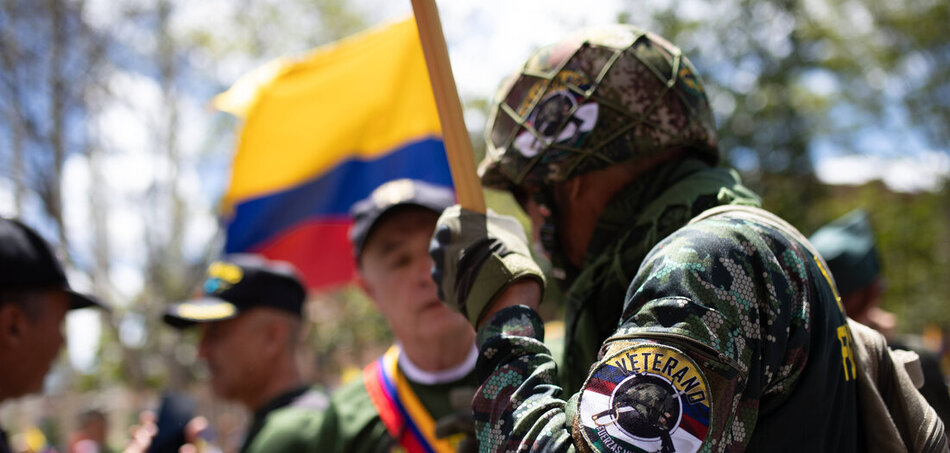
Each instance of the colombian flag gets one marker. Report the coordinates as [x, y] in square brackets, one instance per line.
[319, 134]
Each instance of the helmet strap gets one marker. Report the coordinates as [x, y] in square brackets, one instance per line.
[561, 268]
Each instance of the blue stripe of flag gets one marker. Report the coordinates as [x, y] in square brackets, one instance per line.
[260, 219]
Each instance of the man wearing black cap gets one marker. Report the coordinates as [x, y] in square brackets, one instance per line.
[250, 318]
[34, 299]
[416, 396]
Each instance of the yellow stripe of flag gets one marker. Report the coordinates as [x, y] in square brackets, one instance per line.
[359, 97]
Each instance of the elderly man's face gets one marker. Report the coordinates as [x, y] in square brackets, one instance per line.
[396, 272]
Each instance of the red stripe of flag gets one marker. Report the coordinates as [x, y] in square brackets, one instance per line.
[309, 245]
[694, 427]
[601, 386]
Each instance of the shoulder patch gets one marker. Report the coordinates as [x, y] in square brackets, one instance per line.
[647, 397]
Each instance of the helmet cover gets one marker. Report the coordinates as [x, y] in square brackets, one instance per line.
[602, 96]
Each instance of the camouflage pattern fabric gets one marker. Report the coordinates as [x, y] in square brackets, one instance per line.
[517, 406]
[602, 96]
[632, 223]
[741, 299]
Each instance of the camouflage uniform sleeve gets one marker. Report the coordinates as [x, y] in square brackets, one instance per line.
[719, 314]
[715, 331]
[517, 406]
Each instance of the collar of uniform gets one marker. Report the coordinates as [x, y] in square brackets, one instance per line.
[622, 221]
[280, 401]
[636, 219]
[418, 375]
[639, 211]
[626, 208]
[260, 415]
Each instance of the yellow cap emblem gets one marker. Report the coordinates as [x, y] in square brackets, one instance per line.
[206, 312]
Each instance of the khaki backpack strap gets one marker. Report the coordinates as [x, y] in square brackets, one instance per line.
[878, 427]
[895, 416]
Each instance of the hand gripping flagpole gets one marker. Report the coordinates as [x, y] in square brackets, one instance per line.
[458, 148]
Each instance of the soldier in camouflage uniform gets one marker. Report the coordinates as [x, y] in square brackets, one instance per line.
[695, 320]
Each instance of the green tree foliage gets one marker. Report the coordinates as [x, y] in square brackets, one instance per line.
[792, 81]
[788, 79]
[347, 331]
[913, 236]
[59, 61]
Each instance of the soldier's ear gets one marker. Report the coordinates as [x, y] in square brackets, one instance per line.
[573, 188]
[274, 335]
[12, 324]
[570, 192]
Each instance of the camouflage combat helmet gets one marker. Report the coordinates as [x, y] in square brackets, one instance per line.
[600, 97]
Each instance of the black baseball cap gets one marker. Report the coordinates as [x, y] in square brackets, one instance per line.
[27, 262]
[401, 192]
[240, 282]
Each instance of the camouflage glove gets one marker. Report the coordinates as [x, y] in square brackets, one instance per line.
[477, 256]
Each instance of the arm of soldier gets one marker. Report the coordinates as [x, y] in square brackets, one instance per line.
[484, 270]
[481, 262]
[709, 314]
[518, 405]
[653, 392]
[524, 292]
[665, 386]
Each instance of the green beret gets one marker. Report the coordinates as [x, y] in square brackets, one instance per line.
[847, 244]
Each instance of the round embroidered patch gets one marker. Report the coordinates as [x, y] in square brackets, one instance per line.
[563, 115]
[648, 397]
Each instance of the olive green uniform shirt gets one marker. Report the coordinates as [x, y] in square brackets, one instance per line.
[352, 424]
[289, 423]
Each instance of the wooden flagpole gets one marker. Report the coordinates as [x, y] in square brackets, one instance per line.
[458, 147]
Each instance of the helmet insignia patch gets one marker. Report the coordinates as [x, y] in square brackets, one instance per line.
[648, 397]
[562, 116]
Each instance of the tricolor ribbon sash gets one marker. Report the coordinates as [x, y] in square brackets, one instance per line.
[406, 419]
[320, 133]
